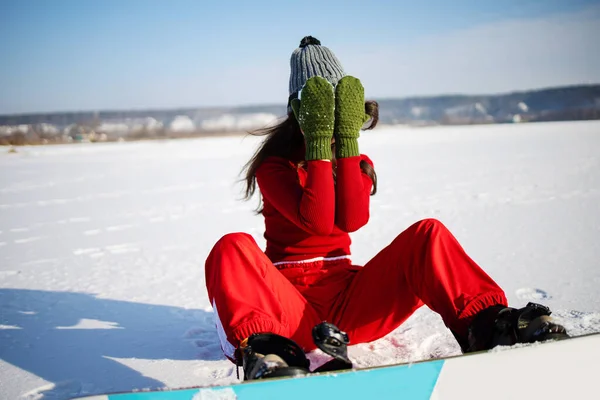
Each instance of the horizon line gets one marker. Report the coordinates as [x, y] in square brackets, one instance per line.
[282, 104]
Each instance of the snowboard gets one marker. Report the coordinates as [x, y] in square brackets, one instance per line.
[549, 370]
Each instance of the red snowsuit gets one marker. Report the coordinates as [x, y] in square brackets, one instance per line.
[305, 276]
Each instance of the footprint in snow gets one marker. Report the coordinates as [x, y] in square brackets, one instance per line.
[222, 373]
[532, 294]
[200, 333]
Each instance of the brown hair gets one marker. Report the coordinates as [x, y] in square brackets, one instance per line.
[284, 140]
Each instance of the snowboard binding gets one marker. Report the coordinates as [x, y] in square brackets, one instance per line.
[334, 342]
[268, 355]
[506, 326]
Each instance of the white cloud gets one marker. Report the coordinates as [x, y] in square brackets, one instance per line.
[504, 56]
[499, 57]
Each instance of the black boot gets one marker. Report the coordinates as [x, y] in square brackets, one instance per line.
[505, 326]
[267, 355]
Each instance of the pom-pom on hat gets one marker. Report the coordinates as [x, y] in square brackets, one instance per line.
[311, 59]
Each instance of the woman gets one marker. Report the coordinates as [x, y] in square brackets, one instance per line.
[315, 187]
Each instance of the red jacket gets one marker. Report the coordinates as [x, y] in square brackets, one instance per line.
[307, 215]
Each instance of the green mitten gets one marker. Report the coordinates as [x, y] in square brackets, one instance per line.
[315, 116]
[349, 116]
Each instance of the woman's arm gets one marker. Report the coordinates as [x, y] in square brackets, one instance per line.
[353, 187]
[311, 207]
[353, 191]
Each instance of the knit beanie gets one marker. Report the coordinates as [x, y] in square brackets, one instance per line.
[312, 59]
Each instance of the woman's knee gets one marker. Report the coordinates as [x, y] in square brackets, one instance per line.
[427, 226]
[228, 245]
[430, 223]
[233, 240]
[226, 255]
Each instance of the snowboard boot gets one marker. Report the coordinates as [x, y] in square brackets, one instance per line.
[267, 355]
[504, 326]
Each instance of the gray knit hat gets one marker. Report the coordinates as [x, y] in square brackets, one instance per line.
[312, 59]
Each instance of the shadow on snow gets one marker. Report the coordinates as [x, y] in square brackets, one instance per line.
[45, 334]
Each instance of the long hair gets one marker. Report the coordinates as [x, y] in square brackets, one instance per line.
[285, 139]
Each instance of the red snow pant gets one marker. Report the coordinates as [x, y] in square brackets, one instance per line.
[425, 264]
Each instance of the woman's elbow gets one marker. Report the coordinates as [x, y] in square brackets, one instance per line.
[350, 225]
[319, 228]
[322, 229]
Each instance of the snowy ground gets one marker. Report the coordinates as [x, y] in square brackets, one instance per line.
[102, 246]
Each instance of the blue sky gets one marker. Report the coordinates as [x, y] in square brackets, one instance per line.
[70, 55]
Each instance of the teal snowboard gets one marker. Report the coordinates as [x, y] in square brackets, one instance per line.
[555, 369]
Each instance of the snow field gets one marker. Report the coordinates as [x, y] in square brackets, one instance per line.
[102, 246]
